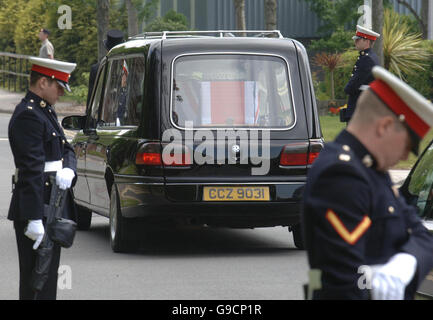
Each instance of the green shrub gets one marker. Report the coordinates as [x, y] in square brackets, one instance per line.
[339, 42]
[423, 81]
[172, 21]
[342, 75]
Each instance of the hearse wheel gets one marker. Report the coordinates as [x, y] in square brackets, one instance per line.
[84, 218]
[297, 236]
[123, 231]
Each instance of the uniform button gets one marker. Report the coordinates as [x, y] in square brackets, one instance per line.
[346, 148]
[47, 184]
[62, 159]
[391, 209]
[31, 100]
[49, 111]
[54, 134]
[63, 141]
[409, 230]
[344, 157]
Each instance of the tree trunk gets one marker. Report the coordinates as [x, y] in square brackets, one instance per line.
[270, 14]
[424, 17]
[102, 14]
[132, 18]
[240, 15]
[332, 86]
[377, 19]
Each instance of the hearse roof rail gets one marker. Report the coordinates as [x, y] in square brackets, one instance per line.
[208, 34]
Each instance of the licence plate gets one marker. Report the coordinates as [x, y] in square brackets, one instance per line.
[236, 194]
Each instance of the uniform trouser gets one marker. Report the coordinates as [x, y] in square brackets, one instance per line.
[27, 259]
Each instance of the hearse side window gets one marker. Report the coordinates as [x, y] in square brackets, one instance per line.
[111, 95]
[232, 90]
[94, 107]
[421, 183]
[124, 92]
[135, 87]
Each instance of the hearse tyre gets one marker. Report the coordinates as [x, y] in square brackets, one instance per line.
[84, 218]
[123, 233]
[298, 238]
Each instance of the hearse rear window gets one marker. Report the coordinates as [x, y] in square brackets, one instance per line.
[231, 90]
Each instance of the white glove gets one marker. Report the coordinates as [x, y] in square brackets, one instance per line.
[35, 231]
[64, 178]
[389, 280]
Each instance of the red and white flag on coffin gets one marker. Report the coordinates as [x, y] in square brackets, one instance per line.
[125, 68]
[229, 103]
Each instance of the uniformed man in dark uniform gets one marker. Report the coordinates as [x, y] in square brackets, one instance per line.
[363, 239]
[361, 73]
[114, 37]
[40, 150]
[123, 96]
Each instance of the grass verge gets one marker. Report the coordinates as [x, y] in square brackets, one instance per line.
[331, 127]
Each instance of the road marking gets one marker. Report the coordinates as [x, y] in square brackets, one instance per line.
[4, 139]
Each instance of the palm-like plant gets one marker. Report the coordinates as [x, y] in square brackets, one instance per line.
[328, 61]
[402, 50]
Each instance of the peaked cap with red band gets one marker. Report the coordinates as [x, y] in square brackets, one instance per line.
[412, 109]
[54, 69]
[365, 33]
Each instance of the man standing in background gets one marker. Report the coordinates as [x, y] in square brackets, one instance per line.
[361, 74]
[47, 49]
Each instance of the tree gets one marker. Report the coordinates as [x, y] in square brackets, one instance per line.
[270, 14]
[328, 62]
[240, 14]
[132, 18]
[377, 15]
[102, 14]
[422, 18]
[403, 51]
[140, 12]
[336, 13]
[8, 16]
[339, 41]
[26, 34]
[172, 21]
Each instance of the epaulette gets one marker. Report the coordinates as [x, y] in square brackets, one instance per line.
[346, 154]
[31, 104]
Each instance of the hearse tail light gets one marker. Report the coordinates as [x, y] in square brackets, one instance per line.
[315, 147]
[300, 153]
[172, 156]
[149, 154]
[176, 156]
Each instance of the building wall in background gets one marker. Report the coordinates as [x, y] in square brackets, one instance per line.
[295, 19]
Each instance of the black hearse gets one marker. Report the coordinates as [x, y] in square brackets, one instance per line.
[206, 128]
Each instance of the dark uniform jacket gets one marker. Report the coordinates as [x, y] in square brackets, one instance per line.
[36, 137]
[92, 77]
[361, 75]
[353, 215]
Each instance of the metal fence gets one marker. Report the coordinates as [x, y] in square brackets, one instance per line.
[14, 71]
